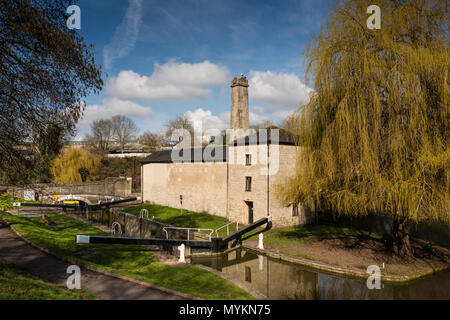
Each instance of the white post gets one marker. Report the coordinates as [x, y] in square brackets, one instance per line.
[261, 260]
[260, 242]
[181, 249]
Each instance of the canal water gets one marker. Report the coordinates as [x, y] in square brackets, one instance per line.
[280, 280]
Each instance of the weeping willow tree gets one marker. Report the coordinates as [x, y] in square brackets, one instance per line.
[375, 135]
[75, 165]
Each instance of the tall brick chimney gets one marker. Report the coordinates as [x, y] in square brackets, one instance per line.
[239, 121]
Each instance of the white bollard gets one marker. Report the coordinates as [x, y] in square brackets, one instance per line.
[181, 249]
[260, 242]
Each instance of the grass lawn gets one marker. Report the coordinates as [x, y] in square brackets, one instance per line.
[130, 260]
[17, 284]
[188, 219]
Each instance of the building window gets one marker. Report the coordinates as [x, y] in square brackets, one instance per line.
[248, 159]
[248, 183]
[248, 274]
[295, 210]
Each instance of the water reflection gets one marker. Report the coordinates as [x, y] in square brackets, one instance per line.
[286, 281]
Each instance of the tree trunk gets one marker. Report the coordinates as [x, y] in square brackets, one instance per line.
[401, 243]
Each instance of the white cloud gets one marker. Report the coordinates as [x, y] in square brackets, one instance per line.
[126, 34]
[109, 108]
[172, 81]
[256, 118]
[203, 120]
[114, 106]
[258, 109]
[277, 90]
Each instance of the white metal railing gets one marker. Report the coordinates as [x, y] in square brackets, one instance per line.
[228, 228]
[143, 212]
[188, 231]
[113, 228]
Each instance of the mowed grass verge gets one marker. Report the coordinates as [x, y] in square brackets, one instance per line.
[17, 284]
[189, 219]
[130, 260]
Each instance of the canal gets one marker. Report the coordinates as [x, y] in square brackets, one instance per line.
[280, 280]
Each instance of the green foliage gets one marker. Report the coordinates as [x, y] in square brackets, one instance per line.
[131, 260]
[46, 70]
[67, 167]
[113, 167]
[6, 201]
[17, 284]
[375, 134]
[49, 145]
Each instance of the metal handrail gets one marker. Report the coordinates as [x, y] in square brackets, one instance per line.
[188, 231]
[113, 228]
[228, 228]
[143, 212]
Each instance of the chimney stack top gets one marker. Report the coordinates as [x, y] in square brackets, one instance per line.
[242, 81]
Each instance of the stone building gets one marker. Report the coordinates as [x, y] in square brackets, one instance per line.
[236, 181]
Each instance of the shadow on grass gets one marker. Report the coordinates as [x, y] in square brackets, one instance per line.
[350, 238]
[319, 231]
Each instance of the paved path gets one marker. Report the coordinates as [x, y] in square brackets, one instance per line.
[16, 251]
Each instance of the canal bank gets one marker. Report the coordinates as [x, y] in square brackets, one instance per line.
[334, 249]
[347, 251]
[300, 241]
[277, 279]
[348, 272]
[129, 262]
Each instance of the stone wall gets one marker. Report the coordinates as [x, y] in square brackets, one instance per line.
[115, 187]
[282, 160]
[202, 185]
[219, 188]
[237, 195]
[282, 213]
[133, 226]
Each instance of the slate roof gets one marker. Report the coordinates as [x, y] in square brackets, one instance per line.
[284, 137]
[165, 156]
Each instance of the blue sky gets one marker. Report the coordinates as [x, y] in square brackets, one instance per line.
[161, 59]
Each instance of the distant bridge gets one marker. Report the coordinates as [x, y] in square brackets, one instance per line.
[89, 199]
[91, 193]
